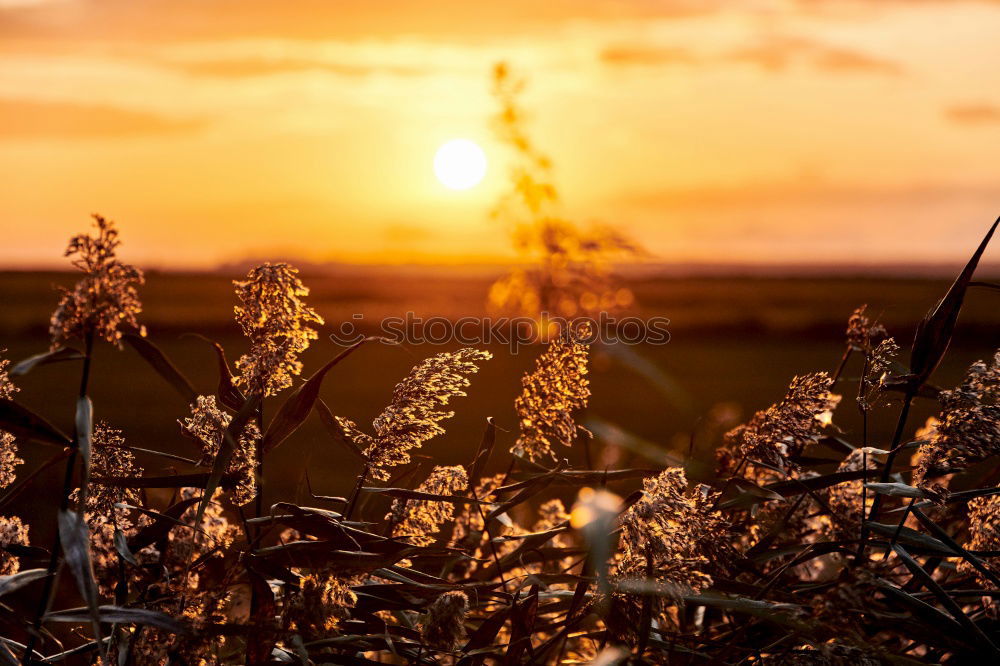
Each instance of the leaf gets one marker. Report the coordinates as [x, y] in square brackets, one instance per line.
[56, 356]
[121, 545]
[229, 395]
[795, 487]
[75, 539]
[754, 490]
[119, 615]
[935, 330]
[26, 425]
[262, 611]
[330, 421]
[951, 543]
[84, 436]
[156, 358]
[532, 488]
[298, 405]
[168, 481]
[764, 610]
[161, 525]
[522, 626]
[896, 489]
[15, 582]
[911, 537]
[483, 454]
[485, 634]
[976, 634]
[404, 493]
[226, 449]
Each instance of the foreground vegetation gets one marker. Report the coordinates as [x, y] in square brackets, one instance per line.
[776, 553]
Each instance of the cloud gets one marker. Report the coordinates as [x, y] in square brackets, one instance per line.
[974, 114]
[238, 68]
[774, 54]
[648, 55]
[20, 119]
[779, 53]
[845, 60]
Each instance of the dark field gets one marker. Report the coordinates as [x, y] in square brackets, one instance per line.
[736, 342]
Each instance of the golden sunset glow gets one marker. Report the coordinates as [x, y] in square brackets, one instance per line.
[746, 132]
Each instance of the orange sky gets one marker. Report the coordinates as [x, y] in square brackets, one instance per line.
[710, 131]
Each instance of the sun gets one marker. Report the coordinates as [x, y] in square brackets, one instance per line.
[460, 164]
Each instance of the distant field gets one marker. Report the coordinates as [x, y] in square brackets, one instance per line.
[735, 343]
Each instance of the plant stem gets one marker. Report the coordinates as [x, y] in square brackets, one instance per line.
[259, 502]
[48, 592]
[357, 491]
[886, 472]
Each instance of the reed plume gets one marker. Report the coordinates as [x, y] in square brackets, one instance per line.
[207, 425]
[781, 432]
[568, 268]
[8, 444]
[984, 532]
[968, 428]
[320, 603]
[418, 521]
[673, 530]
[413, 416]
[13, 532]
[105, 298]
[557, 387]
[443, 626]
[277, 322]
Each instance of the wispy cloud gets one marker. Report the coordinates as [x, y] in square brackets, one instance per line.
[260, 67]
[781, 52]
[773, 53]
[20, 119]
[974, 114]
[649, 55]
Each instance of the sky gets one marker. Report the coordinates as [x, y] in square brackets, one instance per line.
[759, 132]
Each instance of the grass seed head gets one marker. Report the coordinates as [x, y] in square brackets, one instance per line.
[207, 425]
[783, 430]
[105, 298]
[557, 387]
[415, 413]
[418, 521]
[444, 624]
[968, 428]
[277, 322]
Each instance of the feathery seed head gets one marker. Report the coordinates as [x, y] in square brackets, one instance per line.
[109, 459]
[8, 447]
[419, 520]
[207, 425]
[984, 531]
[557, 387]
[673, 529]
[12, 531]
[277, 322]
[861, 331]
[320, 603]
[105, 298]
[783, 430]
[414, 415]
[968, 428]
[444, 624]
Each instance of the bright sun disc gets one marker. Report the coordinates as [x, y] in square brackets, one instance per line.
[460, 164]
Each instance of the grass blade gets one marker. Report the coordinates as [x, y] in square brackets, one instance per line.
[56, 356]
[159, 361]
[75, 539]
[26, 425]
[298, 405]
